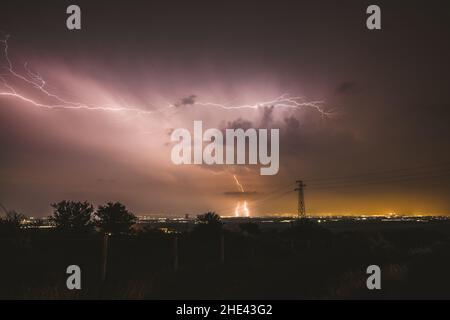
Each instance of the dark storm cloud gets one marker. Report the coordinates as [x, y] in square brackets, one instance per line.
[265, 120]
[239, 123]
[186, 101]
[347, 87]
[292, 124]
[267, 117]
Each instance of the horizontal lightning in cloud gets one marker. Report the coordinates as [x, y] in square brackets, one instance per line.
[35, 81]
[283, 101]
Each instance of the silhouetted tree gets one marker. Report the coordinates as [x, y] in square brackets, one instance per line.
[11, 222]
[208, 224]
[15, 218]
[209, 218]
[114, 218]
[72, 216]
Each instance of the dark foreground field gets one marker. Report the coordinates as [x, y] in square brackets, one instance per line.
[302, 260]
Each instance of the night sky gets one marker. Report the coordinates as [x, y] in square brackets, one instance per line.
[383, 147]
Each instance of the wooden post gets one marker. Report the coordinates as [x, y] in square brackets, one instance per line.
[175, 253]
[104, 261]
[222, 248]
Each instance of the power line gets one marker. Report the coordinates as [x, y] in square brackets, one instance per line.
[399, 175]
[266, 196]
[384, 172]
[278, 197]
[378, 180]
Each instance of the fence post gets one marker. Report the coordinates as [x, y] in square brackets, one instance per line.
[175, 253]
[222, 248]
[104, 257]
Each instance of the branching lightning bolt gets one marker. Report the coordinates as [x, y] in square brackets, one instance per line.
[283, 101]
[37, 82]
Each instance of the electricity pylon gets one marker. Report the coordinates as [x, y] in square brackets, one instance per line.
[301, 199]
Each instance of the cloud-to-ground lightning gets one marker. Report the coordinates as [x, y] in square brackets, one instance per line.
[241, 208]
[36, 81]
[241, 188]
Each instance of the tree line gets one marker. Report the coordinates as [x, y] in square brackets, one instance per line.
[81, 217]
[112, 218]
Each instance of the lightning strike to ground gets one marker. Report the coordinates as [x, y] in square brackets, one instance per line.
[241, 208]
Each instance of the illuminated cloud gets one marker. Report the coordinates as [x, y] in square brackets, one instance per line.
[123, 87]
